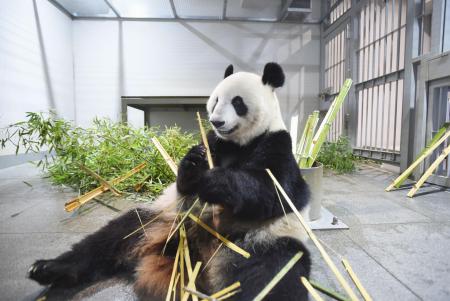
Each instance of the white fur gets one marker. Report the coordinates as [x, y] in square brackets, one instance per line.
[263, 108]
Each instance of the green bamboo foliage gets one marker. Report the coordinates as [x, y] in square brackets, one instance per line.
[310, 143]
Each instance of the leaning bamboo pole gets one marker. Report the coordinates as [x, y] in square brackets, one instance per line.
[324, 127]
[356, 280]
[429, 171]
[308, 140]
[437, 140]
[314, 239]
[301, 143]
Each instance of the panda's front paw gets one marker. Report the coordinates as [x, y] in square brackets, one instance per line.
[191, 169]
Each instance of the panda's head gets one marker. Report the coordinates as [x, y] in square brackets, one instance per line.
[244, 105]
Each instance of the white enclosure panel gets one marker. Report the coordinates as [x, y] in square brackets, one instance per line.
[96, 60]
[34, 76]
[189, 59]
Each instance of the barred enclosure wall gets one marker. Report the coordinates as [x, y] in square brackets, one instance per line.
[381, 60]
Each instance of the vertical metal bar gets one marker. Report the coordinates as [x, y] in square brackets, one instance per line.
[407, 137]
[224, 10]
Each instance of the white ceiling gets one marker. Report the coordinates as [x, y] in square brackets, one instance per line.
[252, 10]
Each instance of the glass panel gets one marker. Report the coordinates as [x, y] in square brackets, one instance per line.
[87, 8]
[255, 9]
[199, 8]
[446, 44]
[143, 8]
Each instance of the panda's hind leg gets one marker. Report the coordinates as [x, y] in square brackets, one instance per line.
[102, 254]
[265, 261]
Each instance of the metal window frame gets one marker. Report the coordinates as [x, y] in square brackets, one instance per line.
[281, 17]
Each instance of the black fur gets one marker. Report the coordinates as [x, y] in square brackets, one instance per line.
[100, 255]
[239, 106]
[228, 71]
[266, 260]
[240, 181]
[273, 75]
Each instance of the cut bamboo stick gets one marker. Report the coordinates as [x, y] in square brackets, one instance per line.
[78, 201]
[225, 241]
[301, 143]
[314, 239]
[165, 155]
[101, 180]
[174, 272]
[307, 150]
[356, 281]
[191, 283]
[262, 294]
[226, 290]
[311, 289]
[199, 294]
[229, 295]
[429, 171]
[205, 141]
[443, 134]
[182, 220]
[330, 293]
[322, 132]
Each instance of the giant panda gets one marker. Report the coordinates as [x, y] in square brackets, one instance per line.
[248, 137]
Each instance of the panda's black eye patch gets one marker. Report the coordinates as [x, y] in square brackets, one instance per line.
[215, 104]
[239, 106]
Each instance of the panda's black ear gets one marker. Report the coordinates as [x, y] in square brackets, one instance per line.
[273, 75]
[228, 71]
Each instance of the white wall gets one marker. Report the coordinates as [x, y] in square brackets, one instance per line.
[188, 58]
[34, 76]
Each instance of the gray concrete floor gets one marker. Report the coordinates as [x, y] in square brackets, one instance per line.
[397, 246]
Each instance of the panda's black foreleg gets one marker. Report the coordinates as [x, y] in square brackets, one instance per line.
[265, 262]
[102, 254]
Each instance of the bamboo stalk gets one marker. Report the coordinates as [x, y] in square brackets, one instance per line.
[277, 278]
[205, 141]
[81, 200]
[191, 283]
[149, 222]
[306, 152]
[100, 179]
[301, 143]
[226, 290]
[212, 256]
[187, 259]
[139, 185]
[356, 280]
[182, 220]
[314, 239]
[181, 243]
[199, 294]
[174, 272]
[437, 140]
[230, 294]
[225, 241]
[165, 155]
[429, 171]
[310, 289]
[140, 221]
[174, 289]
[324, 127]
[330, 293]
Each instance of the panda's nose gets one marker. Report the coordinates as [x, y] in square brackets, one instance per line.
[217, 124]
